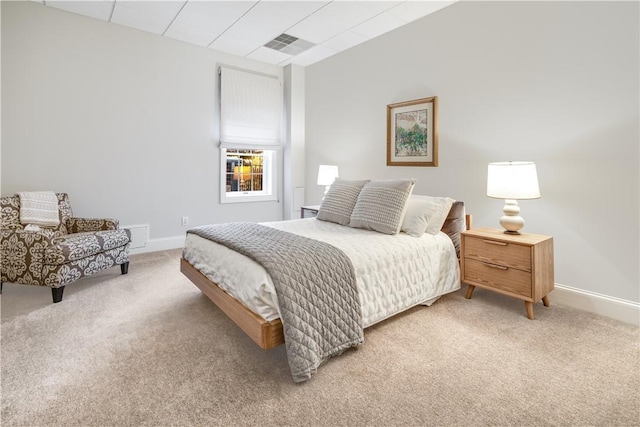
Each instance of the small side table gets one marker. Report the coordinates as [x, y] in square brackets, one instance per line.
[309, 211]
[520, 266]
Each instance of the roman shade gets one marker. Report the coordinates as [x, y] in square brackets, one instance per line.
[250, 110]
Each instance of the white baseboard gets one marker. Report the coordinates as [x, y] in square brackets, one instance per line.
[616, 308]
[154, 245]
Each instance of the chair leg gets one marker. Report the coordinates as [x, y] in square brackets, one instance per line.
[124, 267]
[0, 288]
[56, 293]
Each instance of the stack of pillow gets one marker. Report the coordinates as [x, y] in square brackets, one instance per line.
[385, 206]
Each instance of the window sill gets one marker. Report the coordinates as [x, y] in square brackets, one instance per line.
[245, 198]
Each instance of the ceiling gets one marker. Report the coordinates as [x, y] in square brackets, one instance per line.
[243, 28]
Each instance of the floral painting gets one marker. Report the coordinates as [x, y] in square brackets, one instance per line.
[412, 133]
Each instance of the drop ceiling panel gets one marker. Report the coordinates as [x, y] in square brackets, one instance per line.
[409, 11]
[344, 41]
[274, 16]
[153, 17]
[99, 9]
[378, 25]
[336, 18]
[266, 21]
[166, 9]
[213, 16]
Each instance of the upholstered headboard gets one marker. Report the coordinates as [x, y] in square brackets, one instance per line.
[457, 221]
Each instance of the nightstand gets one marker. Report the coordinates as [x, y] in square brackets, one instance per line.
[309, 211]
[520, 266]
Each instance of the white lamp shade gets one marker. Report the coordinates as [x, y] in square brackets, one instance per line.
[327, 174]
[512, 180]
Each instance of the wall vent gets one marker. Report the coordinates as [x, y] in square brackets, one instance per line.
[289, 44]
[139, 235]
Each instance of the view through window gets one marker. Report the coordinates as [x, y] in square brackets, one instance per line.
[244, 171]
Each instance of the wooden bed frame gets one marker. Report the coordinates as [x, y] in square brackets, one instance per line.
[266, 334]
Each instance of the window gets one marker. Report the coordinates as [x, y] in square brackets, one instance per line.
[250, 134]
[244, 175]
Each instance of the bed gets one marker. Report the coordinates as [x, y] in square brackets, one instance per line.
[393, 272]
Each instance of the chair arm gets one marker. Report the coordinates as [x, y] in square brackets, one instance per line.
[78, 225]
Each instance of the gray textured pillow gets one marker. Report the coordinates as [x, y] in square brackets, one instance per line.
[338, 204]
[381, 205]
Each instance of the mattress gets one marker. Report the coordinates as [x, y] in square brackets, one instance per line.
[393, 273]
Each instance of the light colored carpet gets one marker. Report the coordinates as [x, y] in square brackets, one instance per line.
[149, 349]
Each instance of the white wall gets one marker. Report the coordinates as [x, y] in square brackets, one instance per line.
[122, 120]
[552, 82]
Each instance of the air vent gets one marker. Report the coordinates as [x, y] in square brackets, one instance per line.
[288, 44]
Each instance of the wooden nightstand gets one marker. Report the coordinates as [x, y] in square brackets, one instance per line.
[520, 266]
[310, 211]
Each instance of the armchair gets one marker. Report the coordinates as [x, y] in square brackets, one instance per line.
[57, 256]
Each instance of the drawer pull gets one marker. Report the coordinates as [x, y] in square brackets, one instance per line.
[493, 242]
[499, 267]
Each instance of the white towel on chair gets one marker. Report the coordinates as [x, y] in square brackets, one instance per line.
[39, 208]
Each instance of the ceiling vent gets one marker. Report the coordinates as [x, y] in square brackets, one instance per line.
[288, 44]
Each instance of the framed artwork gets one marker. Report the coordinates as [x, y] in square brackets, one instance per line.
[412, 133]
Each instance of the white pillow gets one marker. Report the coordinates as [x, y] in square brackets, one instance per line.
[415, 220]
[426, 214]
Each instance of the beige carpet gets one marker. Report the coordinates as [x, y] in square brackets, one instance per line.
[149, 349]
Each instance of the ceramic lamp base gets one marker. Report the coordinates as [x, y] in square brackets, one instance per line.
[511, 221]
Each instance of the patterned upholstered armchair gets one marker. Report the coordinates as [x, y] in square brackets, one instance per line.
[57, 256]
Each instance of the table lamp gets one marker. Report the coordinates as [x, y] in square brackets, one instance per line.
[512, 181]
[326, 175]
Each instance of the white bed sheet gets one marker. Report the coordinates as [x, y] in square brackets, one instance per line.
[393, 273]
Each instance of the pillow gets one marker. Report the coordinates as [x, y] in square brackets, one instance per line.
[381, 205]
[416, 219]
[426, 214]
[339, 201]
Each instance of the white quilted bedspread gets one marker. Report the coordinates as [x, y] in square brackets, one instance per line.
[393, 272]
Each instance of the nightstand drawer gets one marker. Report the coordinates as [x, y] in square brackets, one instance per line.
[498, 252]
[497, 276]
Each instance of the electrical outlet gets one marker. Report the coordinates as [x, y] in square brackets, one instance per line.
[185, 221]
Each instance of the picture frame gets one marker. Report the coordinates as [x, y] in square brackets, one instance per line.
[412, 133]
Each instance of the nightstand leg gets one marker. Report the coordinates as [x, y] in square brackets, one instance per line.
[470, 289]
[545, 300]
[529, 307]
